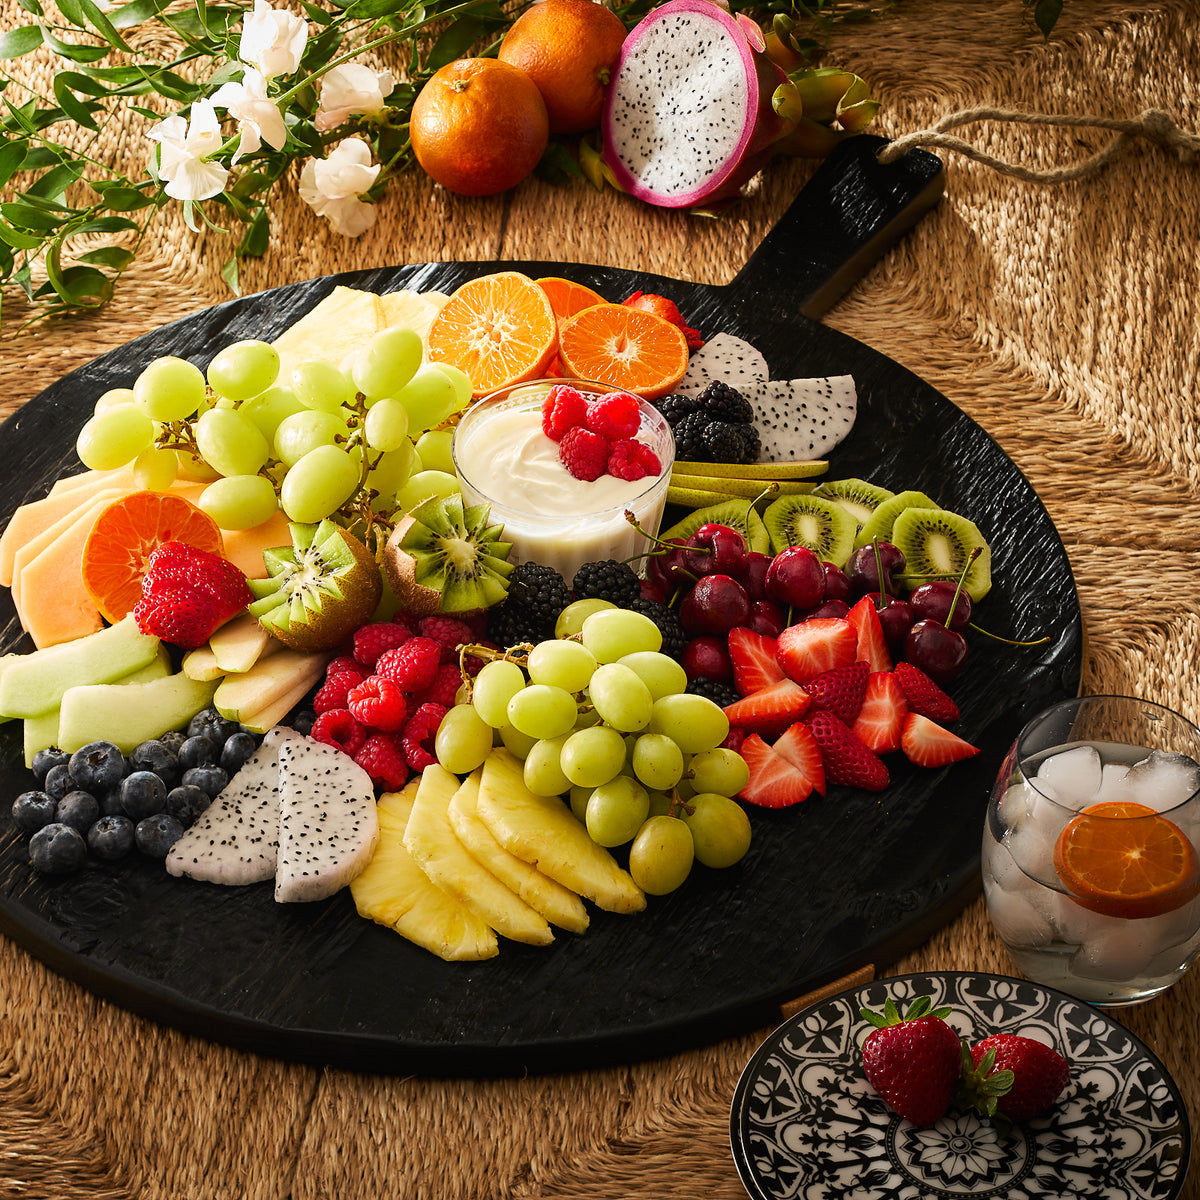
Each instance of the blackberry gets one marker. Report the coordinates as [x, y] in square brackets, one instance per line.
[609, 580]
[536, 595]
[675, 408]
[719, 402]
[667, 620]
[700, 439]
[715, 690]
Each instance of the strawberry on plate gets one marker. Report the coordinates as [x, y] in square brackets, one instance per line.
[913, 1061]
[927, 744]
[785, 773]
[840, 691]
[872, 645]
[754, 663]
[847, 761]
[770, 710]
[819, 644]
[1014, 1076]
[188, 594]
[881, 718]
[923, 695]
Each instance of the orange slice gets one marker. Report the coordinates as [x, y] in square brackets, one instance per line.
[125, 534]
[625, 348]
[498, 329]
[1124, 860]
[566, 296]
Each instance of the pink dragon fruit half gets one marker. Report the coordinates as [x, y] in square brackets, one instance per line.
[688, 117]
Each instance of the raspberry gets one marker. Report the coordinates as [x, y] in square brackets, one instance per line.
[378, 703]
[412, 666]
[630, 459]
[418, 736]
[405, 620]
[339, 727]
[444, 687]
[614, 416]
[382, 757]
[339, 679]
[563, 409]
[449, 631]
[583, 453]
[370, 641]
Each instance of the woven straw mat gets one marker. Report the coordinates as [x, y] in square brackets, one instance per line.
[1063, 319]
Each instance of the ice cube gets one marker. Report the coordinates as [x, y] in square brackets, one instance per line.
[1119, 953]
[998, 864]
[1114, 785]
[1173, 959]
[1071, 922]
[1164, 780]
[1073, 774]
[1016, 920]
[1032, 848]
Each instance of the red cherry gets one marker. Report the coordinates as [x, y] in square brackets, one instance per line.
[830, 608]
[837, 586]
[766, 618]
[936, 650]
[795, 578]
[754, 574]
[707, 657]
[716, 550]
[715, 605]
[933, 600]
[895, 618]
[862, 570]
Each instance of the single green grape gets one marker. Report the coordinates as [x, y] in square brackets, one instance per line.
[386, 426]
[154, 470]
[300, 432]
[593, 756]
[658, 671]
[518, 744]
[461, 380]
[542, 711]
[615, 632]
[113, 397]
[429, 397]
[391, 471]
[570, 620]
[244, 369]
[269, 408]
[318, 485]
[568, 665]
[434, 447]
[721, 770]
[660, 803]
[694, 722]
[170, 389]
[321, 386]
[661, 857]
[720, 829]
[463, 740]
[239, 501]
[421, 486]
[496, 684]
[657, 761]
[230, 442]
[543, 769]
[387, 362]
[620, 697]
[616, 811]
[114, 436]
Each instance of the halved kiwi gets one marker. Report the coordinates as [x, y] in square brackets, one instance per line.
[937, 544]
[824, 526]
[738, 514]
[857, 495]
[878, 527]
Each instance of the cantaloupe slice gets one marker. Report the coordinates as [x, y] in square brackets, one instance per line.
[244, 547]
[121, 477]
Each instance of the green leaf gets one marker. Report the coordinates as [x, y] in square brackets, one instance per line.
[367, 9]
[19, 239]
[100, 22]
[124, 199]
[32, 6]
[136, 13]
[116, 257]
[22, 215]
[12, 156]
[317, 15]
[257, 237]
[82, 52]
[78, 110]
[229, 273]
[108, 225]
[55, 182]
[38, 158]
[1046, 14]
[459, 37]
[22, 40]
[558, 165]
[81, 287]
[174, 87]
[78, 81]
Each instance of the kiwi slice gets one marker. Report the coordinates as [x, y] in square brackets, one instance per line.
[937, 544]
[318, 590]
[824, 526]
[859, 496]
[878, 527]
[447, 557]
[737, 514]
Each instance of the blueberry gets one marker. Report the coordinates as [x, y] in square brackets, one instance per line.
[303, 720]
[156, 757]
[156, 835]
[57, 849]
[78, 809]
[208, 779]
[173, 740]
[198, 751]
[111, 837]
[32, 810]
[143, 794]
[97, 766]
[58, 782]
[43, 760]
[110, 805]
[210, 724]
[186, 803]
[236, 750]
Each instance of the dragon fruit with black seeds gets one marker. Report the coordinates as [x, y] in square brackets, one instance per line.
[803, 419]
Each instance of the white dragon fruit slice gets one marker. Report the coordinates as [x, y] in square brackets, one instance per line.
[328, 827]
[802, 419]
[234, 841]
[687, 116]
[726, 358]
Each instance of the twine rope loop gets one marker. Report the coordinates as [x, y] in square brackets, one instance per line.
[1152, 124]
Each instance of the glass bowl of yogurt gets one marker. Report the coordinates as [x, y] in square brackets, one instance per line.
[503, 459]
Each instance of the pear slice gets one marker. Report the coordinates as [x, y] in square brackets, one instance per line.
[239, 644]
[269, 680]
[544, 832]
[430, 839]
[559, 905]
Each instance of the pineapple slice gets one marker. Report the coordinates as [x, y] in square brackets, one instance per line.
[339, 325]
[413, 310]
[429, 838]
[545, 833]
[395, 892]
[557, 904]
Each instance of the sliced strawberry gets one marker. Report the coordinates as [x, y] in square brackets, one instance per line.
[770, 710]
[775, 782]
[881, 718]
[819, 644]
[754, 662]
[841, 690]
[923, 695]
[872, 645]
[929, 745]
[800, 748]
[847, 761]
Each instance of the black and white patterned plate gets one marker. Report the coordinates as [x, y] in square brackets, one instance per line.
[806, 1125]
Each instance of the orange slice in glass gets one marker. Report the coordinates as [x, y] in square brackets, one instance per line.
[125, 534]
[498, 329]
[625, 348]
[1125, 860]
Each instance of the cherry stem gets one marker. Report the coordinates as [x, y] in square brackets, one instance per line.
[1007, 641]
[975, 553]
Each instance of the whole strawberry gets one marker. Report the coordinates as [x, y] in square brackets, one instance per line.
[187, 594]
[913, 1061]
[1014, 1076]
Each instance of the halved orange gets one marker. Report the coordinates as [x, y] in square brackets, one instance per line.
[125, 534]
[1125, 860]
[566, 296]
[498, 329]
[625, 348]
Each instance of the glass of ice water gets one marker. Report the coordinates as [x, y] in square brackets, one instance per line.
[1091, 850]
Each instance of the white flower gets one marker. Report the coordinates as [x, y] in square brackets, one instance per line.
[272, 40]
[350, 89]
[332, 186]
[259, 118]
[183, 146]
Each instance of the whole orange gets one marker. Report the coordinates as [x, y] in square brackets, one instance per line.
[568, 48]
[479, 126]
